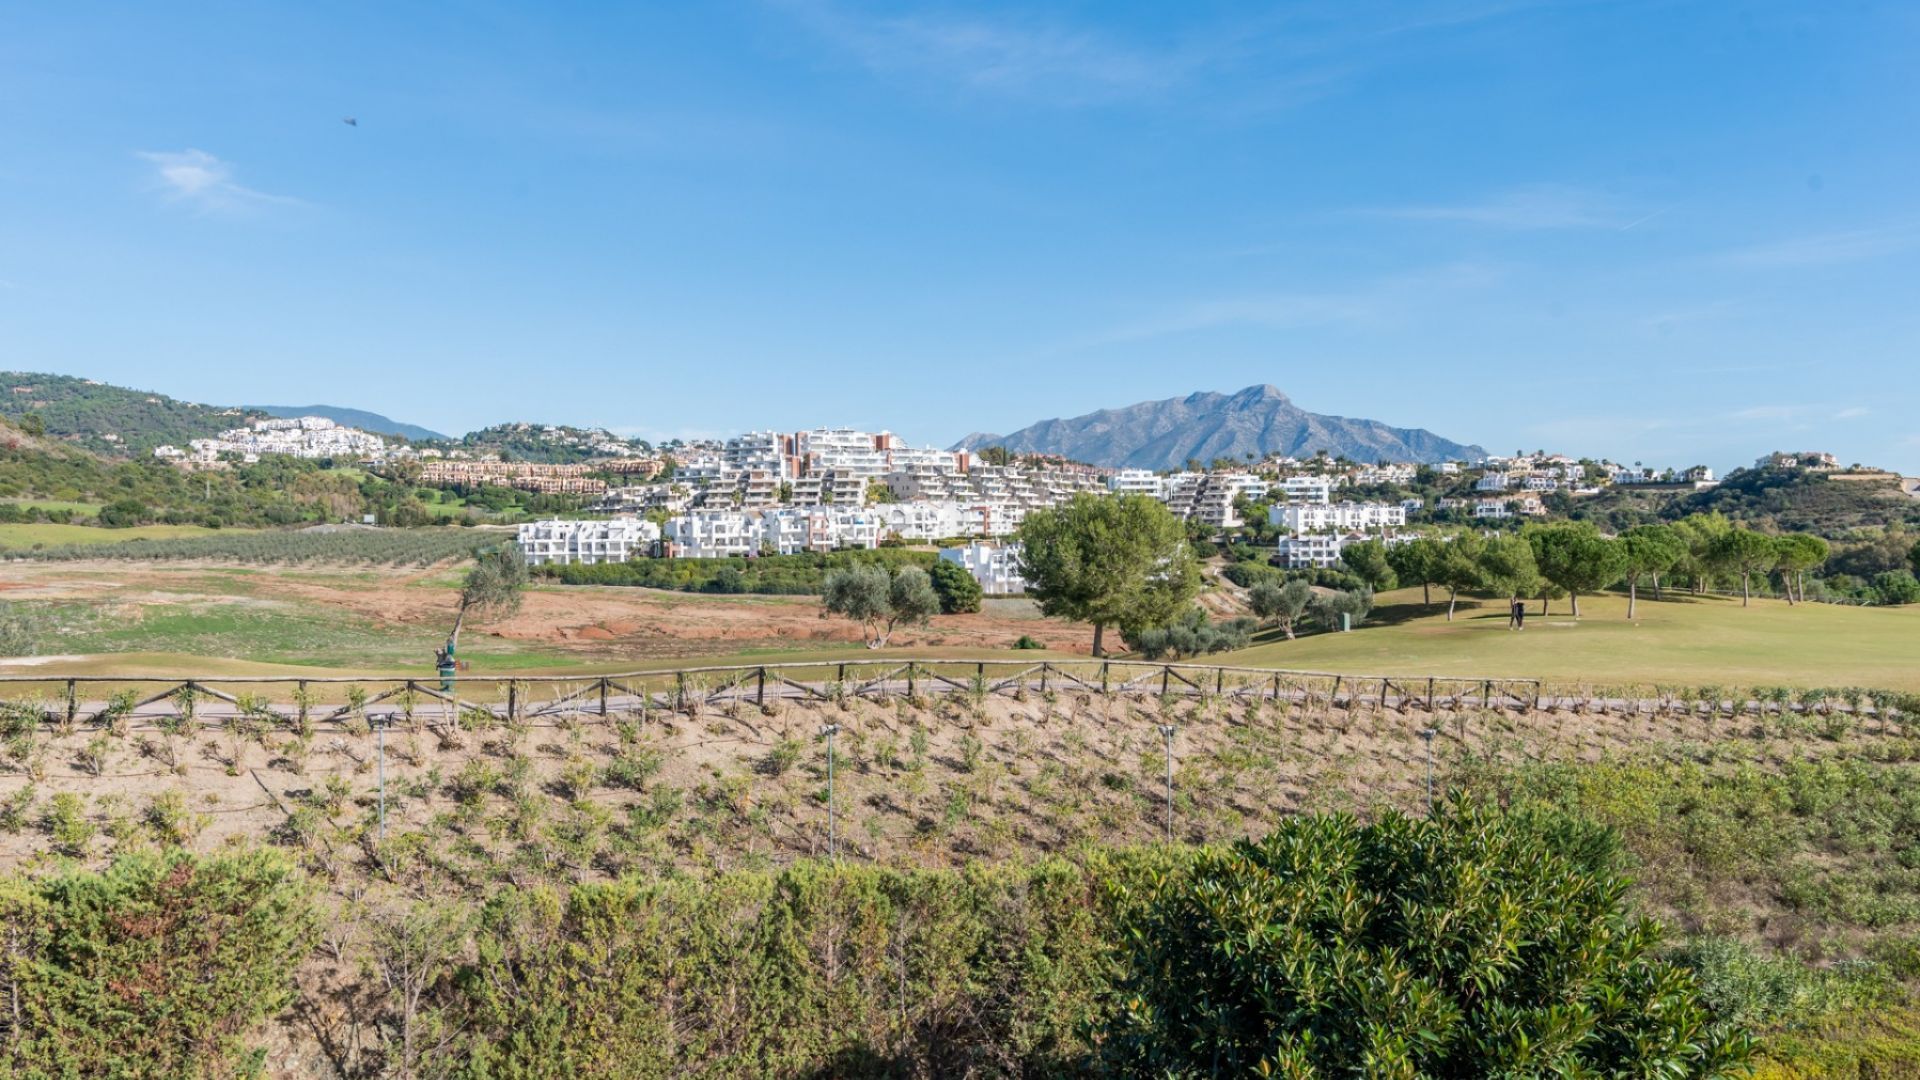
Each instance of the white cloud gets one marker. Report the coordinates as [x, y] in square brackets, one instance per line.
[1824, 249]
[198, 179]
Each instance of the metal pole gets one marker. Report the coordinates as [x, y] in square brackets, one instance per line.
[381, 727]
[833, 832]
[1428, 734]
[1166, 731]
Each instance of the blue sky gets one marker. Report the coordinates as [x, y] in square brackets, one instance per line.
[1674, 232]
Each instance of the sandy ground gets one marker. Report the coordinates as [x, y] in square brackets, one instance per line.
[602, 622]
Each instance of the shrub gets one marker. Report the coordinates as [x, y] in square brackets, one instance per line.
[1193, 634]
[959, 592]
[161, 966]
[819, 970]
[1466, 944]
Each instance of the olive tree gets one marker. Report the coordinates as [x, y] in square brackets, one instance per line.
[1281, 603]
[880, 602]
[1109, 560]
[494, 586]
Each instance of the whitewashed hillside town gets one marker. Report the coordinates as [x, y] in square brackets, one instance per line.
[773, 493]
[828, 489]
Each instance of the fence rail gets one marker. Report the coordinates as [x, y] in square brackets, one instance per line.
[94, 698]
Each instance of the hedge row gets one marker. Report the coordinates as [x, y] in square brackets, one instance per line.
[767, 574]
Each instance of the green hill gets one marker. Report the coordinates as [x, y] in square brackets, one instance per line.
[109, 419]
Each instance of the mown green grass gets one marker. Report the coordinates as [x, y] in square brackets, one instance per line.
[1682, 640]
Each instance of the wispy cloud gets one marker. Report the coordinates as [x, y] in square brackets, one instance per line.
[1068, 64]
[1281, 57]
[1539, 206]
[1798, 414]
[1381, 300]
[198, 179]
[1823, 249]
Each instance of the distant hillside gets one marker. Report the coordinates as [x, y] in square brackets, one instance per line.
[354, 418]
[1794, 500]
[1257, 421]
[109, 419]
[544, 443]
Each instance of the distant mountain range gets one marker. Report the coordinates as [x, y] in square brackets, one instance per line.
[1257, 421]
[354, 418]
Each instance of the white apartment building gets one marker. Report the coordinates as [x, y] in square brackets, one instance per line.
[1507, 508]
[564, 542]
[1494, 480]
[843, 451]
[1392, 473]
[1322, 550]
[1303, 518]
[995, 566]
[1135, 482]
[1308, 489]
[758, 451]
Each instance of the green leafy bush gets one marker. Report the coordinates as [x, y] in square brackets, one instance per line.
[1468, 944]
[162, 966]
[819, 970]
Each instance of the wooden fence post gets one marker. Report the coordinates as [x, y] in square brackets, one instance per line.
[73, 702]
[760, 686]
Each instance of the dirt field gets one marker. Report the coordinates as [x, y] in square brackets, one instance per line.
[409, 610]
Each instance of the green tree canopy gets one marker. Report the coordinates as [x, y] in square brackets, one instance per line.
[1798, 553]
[1368, 561]
[1652, 550]
[1414, 563]
[1743, 553]
[1469, 943]
[1111, 561]
[1507, 567]
[959, 592]
[1576, 558]
[1456, 566]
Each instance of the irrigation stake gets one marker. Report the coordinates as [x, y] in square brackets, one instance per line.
[381, 728]
[1428, 734]
[1166, 731]
[833, 836]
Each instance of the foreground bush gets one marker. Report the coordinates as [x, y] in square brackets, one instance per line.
[1468, 944]
[162, 966]
[819, 970]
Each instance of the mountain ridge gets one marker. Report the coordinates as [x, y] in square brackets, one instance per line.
[354, 418]
[1208, 425]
